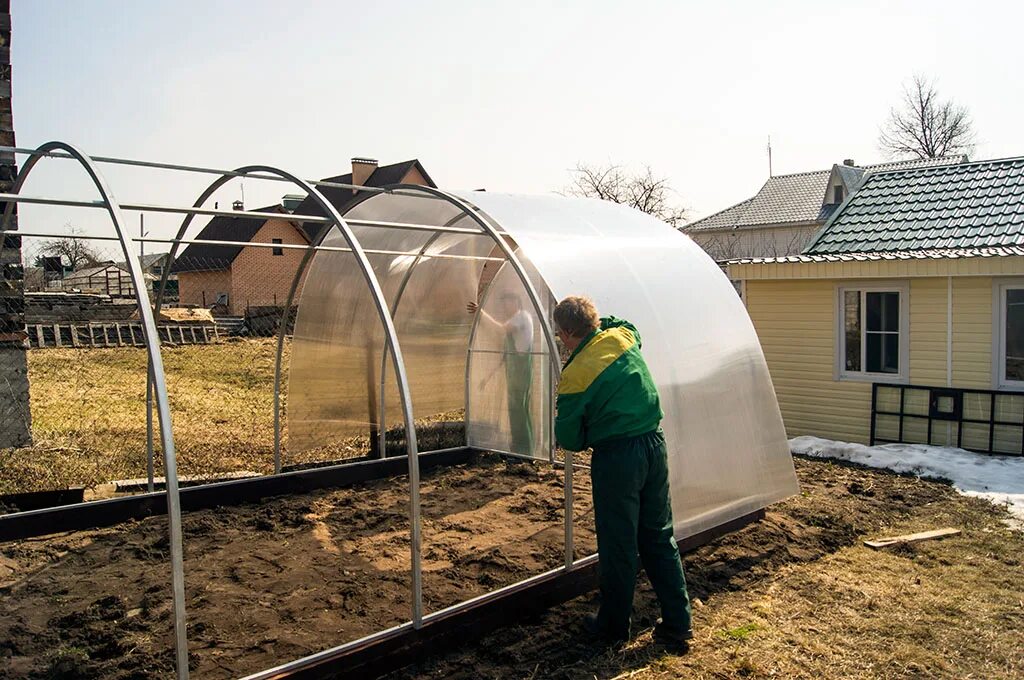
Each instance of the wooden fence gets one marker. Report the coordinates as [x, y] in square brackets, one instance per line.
[117, 334]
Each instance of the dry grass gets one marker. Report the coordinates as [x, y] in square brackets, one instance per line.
[947, 609]
[89, 415]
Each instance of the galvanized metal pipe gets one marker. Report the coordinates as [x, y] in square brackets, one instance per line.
[149, 426]
[159, 381]
[216, 212]
[549, 335]
[155, 165]
[399, 366]
[381, 415]
[250, 244]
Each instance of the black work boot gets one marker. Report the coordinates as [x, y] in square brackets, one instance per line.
[601, 633]
[674, 640]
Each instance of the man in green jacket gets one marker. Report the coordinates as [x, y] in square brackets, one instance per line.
[607, 401]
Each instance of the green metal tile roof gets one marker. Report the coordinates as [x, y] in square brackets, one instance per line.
[970, 205]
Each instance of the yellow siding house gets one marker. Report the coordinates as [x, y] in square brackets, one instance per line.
[916, 280]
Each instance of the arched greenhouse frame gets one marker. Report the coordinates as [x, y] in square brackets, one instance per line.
[405, 305]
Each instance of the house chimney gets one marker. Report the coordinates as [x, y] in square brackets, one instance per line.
[238, 205]
[362, 168]
[849, 161]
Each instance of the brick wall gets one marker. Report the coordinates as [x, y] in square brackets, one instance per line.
[15, 416]
[202, 288]
[258, 277]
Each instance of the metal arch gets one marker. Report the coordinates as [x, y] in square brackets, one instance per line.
[158, 303]
[283, 331]
[394, 308]
[156, 370]
[545, 326]
[481, 301]
[180, 234]
[381, 411]
[509, 254]
[399, 365]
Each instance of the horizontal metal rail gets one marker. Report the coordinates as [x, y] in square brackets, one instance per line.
[156, 165]
[251, 244]
[523, 456]
[505, 351]
[192, 210]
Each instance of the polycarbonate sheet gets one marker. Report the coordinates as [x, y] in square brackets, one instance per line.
[510, 386]
[338, 365]
[728, 453]
[434, 326]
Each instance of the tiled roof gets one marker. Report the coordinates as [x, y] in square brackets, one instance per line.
[343, 199]
[797, 198]
[934, 254]
[203, 257]
[970, 205]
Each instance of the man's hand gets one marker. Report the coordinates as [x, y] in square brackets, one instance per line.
[472, 307]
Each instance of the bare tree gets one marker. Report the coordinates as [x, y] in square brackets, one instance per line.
[643, 191]
[743, 243]
[76, 252]
[925, 126]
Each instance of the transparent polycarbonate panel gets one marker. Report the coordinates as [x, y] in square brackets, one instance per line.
[339, 367]
[916, 402]
[728, 450]
[887, 428]
[1007, 439]
[976, 406]
[434, 326]
[915, 430]
[887, 399]
[510, 387]
[1009, 408]
[335, 359]
[975, 436]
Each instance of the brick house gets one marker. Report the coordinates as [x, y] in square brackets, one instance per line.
[237, 278]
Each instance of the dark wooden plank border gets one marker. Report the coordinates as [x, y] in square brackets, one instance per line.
[36, 500]
[406, 646]
[106, 513]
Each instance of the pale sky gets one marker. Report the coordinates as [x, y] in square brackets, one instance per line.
[505, 96]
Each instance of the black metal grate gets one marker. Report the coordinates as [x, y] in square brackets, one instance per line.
[985, 421]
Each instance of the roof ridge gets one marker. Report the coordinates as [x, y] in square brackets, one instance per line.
[797, 174]
[719, 212]
[953, 166]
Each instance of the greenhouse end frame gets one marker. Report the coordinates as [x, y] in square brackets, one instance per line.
[740, 359]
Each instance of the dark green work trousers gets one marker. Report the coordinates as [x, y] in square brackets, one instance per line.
[519, 376]
[633, 515]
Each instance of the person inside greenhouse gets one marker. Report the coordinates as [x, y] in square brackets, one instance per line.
[516, 329]
[607, 401]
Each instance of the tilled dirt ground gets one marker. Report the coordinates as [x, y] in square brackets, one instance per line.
[270, 582]
[795, 595]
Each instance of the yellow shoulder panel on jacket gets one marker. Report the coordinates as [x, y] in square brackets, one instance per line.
[603, 349]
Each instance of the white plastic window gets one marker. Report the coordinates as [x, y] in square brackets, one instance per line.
[1009, 330]
[873, 332]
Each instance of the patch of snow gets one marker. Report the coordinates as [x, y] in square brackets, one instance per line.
[999, 479]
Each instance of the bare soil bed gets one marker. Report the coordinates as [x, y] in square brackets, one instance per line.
[798, 596]
[794, 596]
[270, 582]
